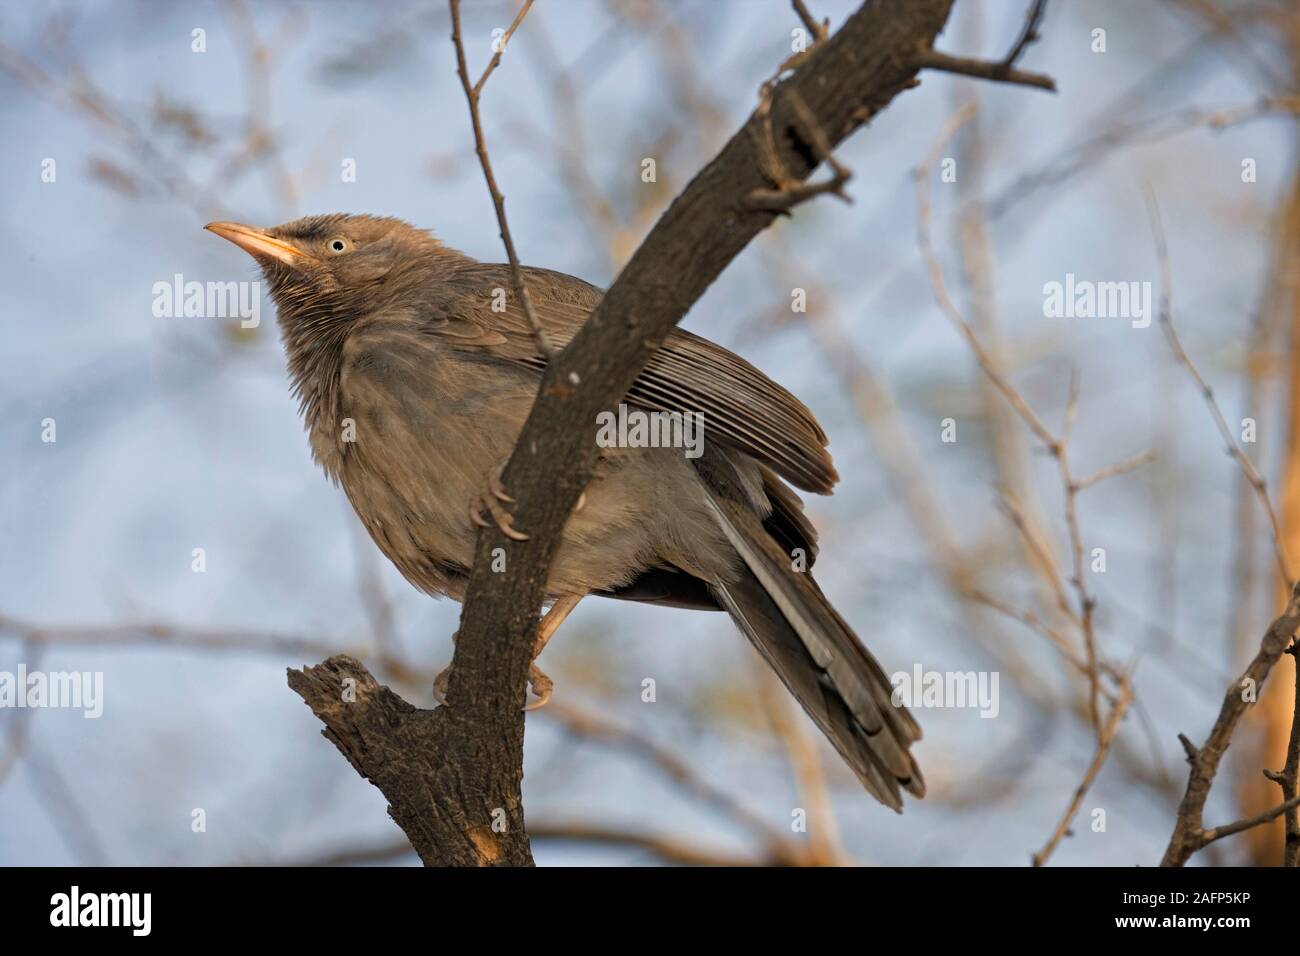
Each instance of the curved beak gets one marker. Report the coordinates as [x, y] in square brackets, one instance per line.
[258, 243]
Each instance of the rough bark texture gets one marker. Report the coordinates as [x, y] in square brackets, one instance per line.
[450, 773]
[391, 743]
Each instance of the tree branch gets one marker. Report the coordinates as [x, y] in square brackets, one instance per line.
[1288, 778]
[985, 70]
[410, 757]
[1004, 70]
[1189, 833]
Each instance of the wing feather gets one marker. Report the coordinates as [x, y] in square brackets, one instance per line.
[742, 407]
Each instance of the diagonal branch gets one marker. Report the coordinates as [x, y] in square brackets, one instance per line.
[1189, 833]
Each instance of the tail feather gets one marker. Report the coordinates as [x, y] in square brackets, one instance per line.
[817, 656]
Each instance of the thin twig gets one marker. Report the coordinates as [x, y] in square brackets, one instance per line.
[591, 727]
[1058, 448]
[1108, 734]
[1123, 467]
[501, 47]
[818, 30]
[1004, 70]
[824, 845]
[135, 633]
[984, 70]
[1218, 833]
[1171, 335]
[1028, 33]
[480, 146]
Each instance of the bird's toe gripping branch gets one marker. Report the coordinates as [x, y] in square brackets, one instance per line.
[491, 500]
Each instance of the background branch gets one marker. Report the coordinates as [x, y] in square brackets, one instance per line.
[1189, 833]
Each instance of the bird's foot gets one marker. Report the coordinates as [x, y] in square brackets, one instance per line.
[541, 684]
[542, 687]
[490, 501]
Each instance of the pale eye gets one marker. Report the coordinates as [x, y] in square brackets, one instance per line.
[338, 244]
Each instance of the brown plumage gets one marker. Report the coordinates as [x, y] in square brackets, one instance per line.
[414, 389]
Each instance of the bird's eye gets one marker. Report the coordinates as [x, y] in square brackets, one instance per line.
[338, 244]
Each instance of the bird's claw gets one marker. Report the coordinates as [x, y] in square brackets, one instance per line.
[495, 486]
[541, 684]
[491, 500]
[542, 687]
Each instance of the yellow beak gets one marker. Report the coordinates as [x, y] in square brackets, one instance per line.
[258, 243]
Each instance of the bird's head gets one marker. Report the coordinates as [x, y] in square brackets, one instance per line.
[337, 265]
[325, 274]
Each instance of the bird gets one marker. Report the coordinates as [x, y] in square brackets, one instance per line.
[415, 368]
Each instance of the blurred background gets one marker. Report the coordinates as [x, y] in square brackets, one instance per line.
[176, 434]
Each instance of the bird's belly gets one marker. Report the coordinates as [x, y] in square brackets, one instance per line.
[416, 462]
[426, 437]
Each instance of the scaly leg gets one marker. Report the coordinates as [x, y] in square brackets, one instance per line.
[541, 684]
[546, 628]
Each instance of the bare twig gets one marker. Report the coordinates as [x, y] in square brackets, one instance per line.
[1081, 616]
[1288, 807]
[1028, 33]
[940, 288]
[1004, 70]
[1056, 446]
[1120, 468]
[472, 93]
[984, 70]
[501, 46]
[589, 726]
[1234, 448]
[19, 721]
[1104, 741]
[130, 633]
[824, 847]
[819, 30]
[1089, 155]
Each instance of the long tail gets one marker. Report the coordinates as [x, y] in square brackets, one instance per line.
[815, 653]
